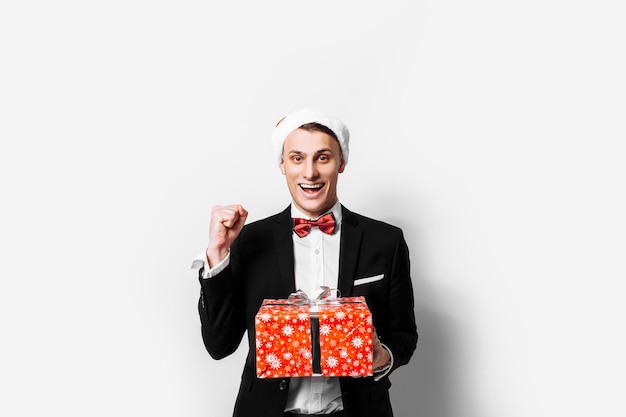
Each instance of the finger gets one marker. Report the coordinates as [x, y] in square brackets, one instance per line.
[221, 215]
[243, 215]
[242, 211]
[230, 218]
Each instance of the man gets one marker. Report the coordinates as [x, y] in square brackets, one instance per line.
[243, 265]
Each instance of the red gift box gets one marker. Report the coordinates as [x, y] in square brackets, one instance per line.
[300, 337]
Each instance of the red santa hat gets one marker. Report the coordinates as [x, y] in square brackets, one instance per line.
[298, 118]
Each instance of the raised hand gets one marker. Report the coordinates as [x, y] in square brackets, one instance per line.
[226, 224]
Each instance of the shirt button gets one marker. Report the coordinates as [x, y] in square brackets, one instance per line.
[283, 385]
[317, 251]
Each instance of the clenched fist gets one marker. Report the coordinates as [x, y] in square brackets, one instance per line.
[226, 223]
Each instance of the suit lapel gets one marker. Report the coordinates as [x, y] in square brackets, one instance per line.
[350, 247]
[283, 242]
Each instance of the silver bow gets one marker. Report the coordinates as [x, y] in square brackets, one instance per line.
[301, 298]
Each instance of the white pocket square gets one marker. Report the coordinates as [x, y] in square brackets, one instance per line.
[367, 280]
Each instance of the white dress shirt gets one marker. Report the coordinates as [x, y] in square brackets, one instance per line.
[316, 264]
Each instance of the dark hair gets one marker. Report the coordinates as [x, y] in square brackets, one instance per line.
[317, 127]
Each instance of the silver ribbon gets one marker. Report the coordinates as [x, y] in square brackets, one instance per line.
[300, 298]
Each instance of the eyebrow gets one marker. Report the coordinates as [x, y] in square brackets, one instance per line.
[296, 151]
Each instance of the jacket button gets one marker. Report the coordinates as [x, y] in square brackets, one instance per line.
[283, 385]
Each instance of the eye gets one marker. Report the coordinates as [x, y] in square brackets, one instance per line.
[296, 158]
[324, 158]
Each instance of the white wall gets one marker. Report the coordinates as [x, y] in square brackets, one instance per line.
[492, 132]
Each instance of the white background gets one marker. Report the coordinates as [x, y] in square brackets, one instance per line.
[492, 132]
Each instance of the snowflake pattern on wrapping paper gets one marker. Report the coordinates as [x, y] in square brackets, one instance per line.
[357, 342]
[331, 362]
[306, 353]
[288, 330]
[272, 360]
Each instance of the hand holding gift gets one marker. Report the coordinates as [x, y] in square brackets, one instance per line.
[382, 357]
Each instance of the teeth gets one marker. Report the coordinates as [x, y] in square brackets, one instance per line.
[311, 186]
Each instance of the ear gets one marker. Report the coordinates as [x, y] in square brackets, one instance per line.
[342, 165]
[282, 165]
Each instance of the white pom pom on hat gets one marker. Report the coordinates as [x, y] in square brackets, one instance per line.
[301, 117]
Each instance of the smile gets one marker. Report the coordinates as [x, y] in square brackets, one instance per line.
[311, 187]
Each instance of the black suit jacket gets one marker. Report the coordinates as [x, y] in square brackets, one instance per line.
[262, 266]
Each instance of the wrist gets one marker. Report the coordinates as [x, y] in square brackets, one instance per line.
[387, 358]
[215, 255]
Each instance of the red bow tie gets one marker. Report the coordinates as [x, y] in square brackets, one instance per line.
[326, 224]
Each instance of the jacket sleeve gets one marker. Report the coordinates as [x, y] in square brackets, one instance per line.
[221, 313]
[400, 331]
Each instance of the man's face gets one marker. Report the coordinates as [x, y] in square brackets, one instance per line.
[311, 163]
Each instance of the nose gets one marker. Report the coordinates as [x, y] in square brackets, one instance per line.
[310, 169]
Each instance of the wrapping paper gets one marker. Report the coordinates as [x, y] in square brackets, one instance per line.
[303, 338]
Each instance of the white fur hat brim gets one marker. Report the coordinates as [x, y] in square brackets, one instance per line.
[301, 117]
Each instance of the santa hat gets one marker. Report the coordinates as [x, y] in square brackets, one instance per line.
[298, 118]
